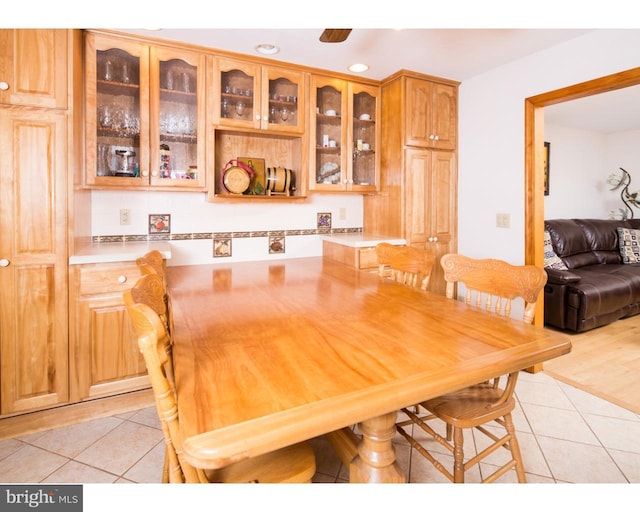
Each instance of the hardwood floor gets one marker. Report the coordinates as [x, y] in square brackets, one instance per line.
[604, 362]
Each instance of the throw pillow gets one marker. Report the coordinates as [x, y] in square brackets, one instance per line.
[551, 259]
[629, 242]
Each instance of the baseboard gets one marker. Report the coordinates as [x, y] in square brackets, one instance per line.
[65, 415]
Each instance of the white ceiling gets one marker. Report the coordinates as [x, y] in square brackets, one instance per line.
[458, 54]
[614, 111]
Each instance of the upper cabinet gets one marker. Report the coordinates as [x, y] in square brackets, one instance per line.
[344, 135]
[253, 96]
[145, 115]
[433, 114]
[43, 81]
[258, 117]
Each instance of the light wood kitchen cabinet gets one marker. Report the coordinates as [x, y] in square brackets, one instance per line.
[344, 135]
[104, 356]
[43, 81]
[430, 184]
[418, 185]
[145, 115]
[262, 97]
[33, 259]
[432, 109]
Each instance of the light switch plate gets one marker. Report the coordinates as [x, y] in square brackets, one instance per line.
[503, 220]
[125, 217]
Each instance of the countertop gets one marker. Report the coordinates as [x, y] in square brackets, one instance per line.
[115, 252]
[362, 239]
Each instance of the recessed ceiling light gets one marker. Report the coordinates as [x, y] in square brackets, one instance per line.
[358, 68]
[267, 49]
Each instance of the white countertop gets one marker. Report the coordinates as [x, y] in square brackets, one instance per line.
[362, 239]
[114, 252]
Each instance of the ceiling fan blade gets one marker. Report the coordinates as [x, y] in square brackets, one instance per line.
[335, 35]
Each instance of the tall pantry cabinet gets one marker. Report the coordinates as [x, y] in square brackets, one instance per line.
[418, 176]
[35, 127]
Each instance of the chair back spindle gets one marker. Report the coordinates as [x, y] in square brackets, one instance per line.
[493, 284]
[405, 264]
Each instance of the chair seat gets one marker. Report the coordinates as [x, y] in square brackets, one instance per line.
[471, 406]
[293, 464]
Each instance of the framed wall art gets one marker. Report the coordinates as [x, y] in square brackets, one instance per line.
[547, 152]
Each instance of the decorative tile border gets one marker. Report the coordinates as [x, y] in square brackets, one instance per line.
[103, 239]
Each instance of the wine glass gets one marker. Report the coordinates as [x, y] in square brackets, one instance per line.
[108, 70]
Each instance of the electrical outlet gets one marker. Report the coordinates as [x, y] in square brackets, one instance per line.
[125, 217]
[503, 220]
[342, 214]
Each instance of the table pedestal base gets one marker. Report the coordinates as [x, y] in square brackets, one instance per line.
[376, 459]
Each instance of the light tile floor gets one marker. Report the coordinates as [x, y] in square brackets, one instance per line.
[566, 435]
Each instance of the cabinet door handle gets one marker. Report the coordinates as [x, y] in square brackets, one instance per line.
[258, 117]
[4, 86]
[4, 262]
[436, 137]
[431, 137]
[122, 279]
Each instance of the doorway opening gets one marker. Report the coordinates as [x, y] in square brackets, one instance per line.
[534, 157]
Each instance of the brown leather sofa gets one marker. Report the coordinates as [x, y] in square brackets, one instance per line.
[598, 287]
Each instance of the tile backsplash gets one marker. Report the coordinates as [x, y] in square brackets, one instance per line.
[195, 223]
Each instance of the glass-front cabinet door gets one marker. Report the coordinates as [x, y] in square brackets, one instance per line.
[344, 136]
[283, 100]
[144, 115]
[117, 112]
[177, 122]
[258, 97]
[235, 84]
[364, 115]
[328, 137]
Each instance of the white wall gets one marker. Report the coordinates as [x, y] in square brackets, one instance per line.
[577, 175]
[491, 133]
[581, 163]
[623, 150]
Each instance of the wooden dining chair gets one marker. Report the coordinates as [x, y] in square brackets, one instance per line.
[405, 264]
[293, 464]
[152, 262]
[149, 289]
[491, 285]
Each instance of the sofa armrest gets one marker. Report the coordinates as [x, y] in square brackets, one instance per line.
[555, 276]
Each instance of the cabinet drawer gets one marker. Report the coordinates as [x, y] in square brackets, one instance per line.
[108, 278]
[367, 257]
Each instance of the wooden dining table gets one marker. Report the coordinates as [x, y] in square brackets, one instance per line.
[271, 353]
